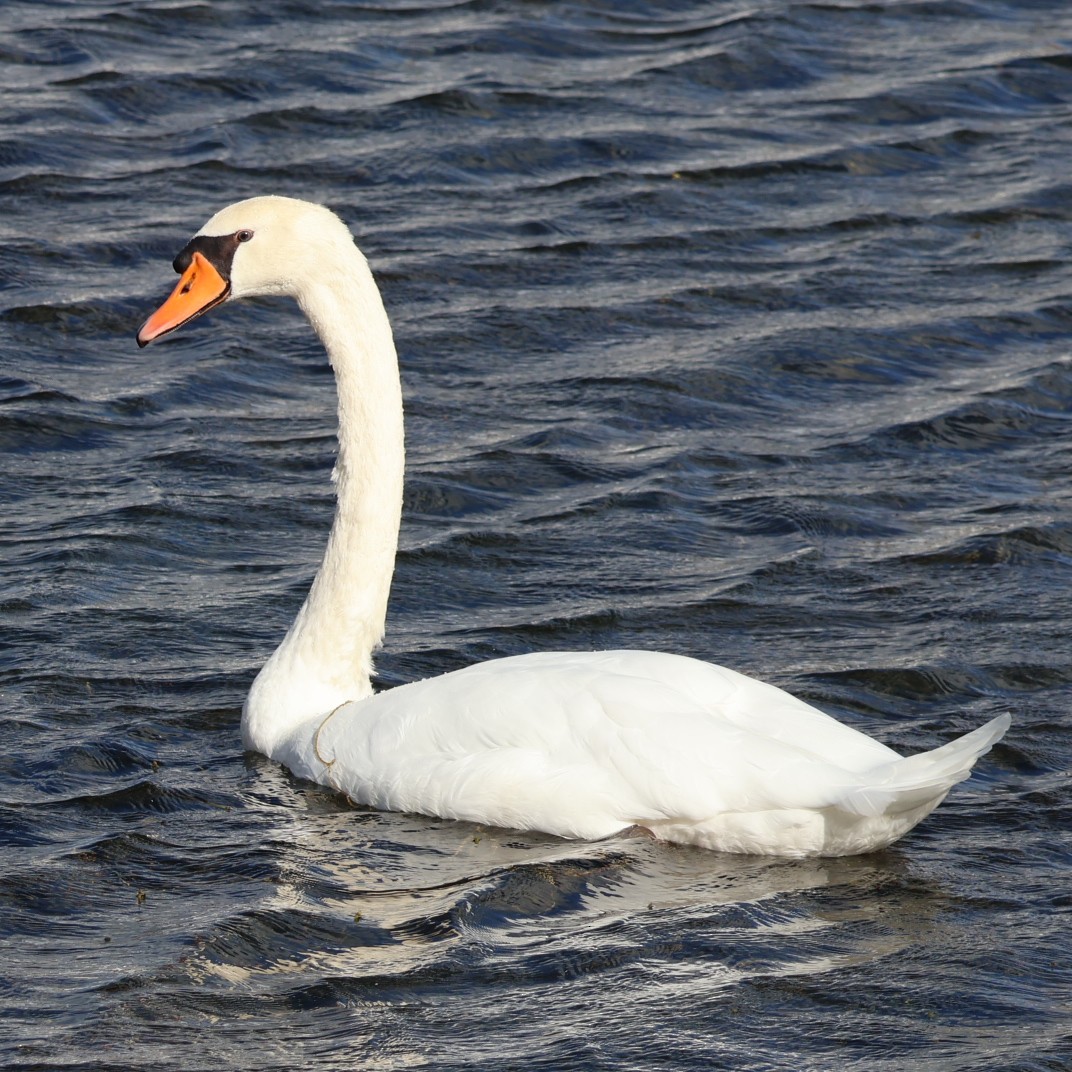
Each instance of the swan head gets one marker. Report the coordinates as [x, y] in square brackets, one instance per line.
[265, 245]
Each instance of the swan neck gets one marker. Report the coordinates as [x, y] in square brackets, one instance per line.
[326, 657]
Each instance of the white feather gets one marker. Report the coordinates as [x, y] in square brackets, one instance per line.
[582, 745]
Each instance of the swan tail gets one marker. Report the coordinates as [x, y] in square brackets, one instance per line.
[910, 783]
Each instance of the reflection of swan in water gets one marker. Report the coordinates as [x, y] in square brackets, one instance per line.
[580, 745]
[421, 904]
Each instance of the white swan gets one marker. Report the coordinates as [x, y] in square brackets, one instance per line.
[582, 745]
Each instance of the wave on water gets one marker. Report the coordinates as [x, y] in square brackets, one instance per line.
[737, 331]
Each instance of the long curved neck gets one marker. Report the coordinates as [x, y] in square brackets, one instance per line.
[326, 657]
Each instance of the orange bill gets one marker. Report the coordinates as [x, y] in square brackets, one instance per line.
[200, 288]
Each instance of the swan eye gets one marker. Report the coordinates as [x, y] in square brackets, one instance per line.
[244, 236]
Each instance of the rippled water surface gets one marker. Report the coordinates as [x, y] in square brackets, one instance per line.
[737, 330]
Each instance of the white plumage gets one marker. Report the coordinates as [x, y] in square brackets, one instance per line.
[582, 745]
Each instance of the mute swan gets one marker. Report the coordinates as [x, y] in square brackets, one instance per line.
[581, 745]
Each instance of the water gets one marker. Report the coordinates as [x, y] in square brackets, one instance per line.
[734, 330]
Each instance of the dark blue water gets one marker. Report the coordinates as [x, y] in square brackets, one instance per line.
[737, 330]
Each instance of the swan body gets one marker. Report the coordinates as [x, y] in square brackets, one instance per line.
[578, 744]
